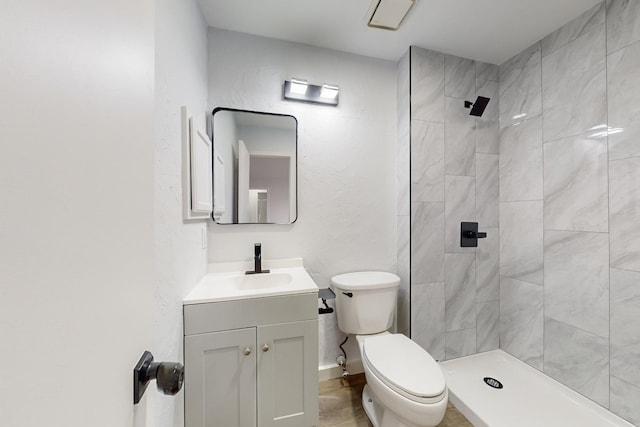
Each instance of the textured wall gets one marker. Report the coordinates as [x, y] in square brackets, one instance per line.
[452, 177]
[569, 205]
[346, 160]
[181, 79]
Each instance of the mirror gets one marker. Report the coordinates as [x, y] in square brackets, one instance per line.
[254, 167]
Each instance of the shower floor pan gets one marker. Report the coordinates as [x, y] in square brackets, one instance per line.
[528, 398]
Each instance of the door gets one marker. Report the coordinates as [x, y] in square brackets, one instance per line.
[220, 379]
[244, 168]
[77, 240]
[288, 374]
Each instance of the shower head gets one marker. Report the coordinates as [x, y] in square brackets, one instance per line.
[478, 106]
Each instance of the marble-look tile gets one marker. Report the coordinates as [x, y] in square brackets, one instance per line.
[403, 78]
[427, 161]
[624, 213]
[576, 186]
[403, 258]
[576, 279]
[521, 321]
[403, 239]
[403, 312]
[487, 325]
[574, 29]
[403, 177]
[427, 242]
[485, 71]
[624, 400]
[623, 23]
[460, 291]
[488, 266]
[487, 190]
[460, 205]
[521, 242]
[625, 324]
[521, 161]
[574, 86]
[488, 126]
[520, 87]
[460, 343]
[403, 173]
[459, 143]
[427, 85]
[623, 87]
[459, 77]
[487, 136]
[489, 89]
[577, 359]
[427, 317]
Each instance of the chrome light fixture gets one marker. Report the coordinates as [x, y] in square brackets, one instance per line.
[301, 91]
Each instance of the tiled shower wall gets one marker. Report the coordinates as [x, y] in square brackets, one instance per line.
[447, 173]
[570, 205]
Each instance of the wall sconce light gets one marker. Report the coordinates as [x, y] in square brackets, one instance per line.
[300, 90]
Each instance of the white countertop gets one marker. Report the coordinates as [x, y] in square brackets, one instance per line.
[228, 281]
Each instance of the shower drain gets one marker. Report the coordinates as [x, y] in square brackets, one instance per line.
[492, 382]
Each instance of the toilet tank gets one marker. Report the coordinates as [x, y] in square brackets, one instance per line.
[365, 301]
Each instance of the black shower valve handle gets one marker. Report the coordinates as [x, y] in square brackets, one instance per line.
[474, 234]
[469, 234]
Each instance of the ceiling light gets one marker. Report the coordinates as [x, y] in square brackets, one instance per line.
[388, 14]
[299, 86]
[300, 90]
[329, 91]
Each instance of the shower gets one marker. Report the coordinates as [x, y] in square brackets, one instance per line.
[478, 106]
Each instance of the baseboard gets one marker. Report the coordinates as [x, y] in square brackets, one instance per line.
[329, 372]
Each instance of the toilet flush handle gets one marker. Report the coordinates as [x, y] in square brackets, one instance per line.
[349, 294]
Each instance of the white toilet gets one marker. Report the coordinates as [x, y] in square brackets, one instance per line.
[405, 385]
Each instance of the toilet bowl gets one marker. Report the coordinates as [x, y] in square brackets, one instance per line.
[403, 380]
[405, 385]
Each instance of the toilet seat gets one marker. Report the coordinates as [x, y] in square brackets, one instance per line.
[405, 367]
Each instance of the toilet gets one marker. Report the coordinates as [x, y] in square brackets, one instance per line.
[405, 385]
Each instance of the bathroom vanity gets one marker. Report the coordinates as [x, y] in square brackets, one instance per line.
[251, 347]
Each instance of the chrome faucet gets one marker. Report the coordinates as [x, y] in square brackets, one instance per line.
[257, 260]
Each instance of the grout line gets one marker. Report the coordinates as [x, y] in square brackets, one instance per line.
[606, 96]
[520, 201]
[575, 231]
[409, 285]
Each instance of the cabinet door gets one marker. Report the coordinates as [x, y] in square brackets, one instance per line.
[288, 374]
[220, 379]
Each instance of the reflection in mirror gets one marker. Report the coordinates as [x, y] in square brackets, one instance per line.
[254, 167]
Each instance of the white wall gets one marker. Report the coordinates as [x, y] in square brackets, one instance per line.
[181, 79]
[76, 224]
[346, 159]
[226, 146]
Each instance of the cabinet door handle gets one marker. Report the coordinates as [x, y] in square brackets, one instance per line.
[247, 351]
[265, 347]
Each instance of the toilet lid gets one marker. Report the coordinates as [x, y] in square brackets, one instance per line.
[402, 364]
[365, 280]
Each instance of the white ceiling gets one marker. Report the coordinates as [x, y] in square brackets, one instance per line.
[485, 30]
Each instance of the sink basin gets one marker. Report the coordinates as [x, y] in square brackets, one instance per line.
[228, 281]
[258, 281]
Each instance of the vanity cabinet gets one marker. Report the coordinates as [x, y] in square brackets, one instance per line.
[252, 363]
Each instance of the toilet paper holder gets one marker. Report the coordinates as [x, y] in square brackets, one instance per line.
[169, 376]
